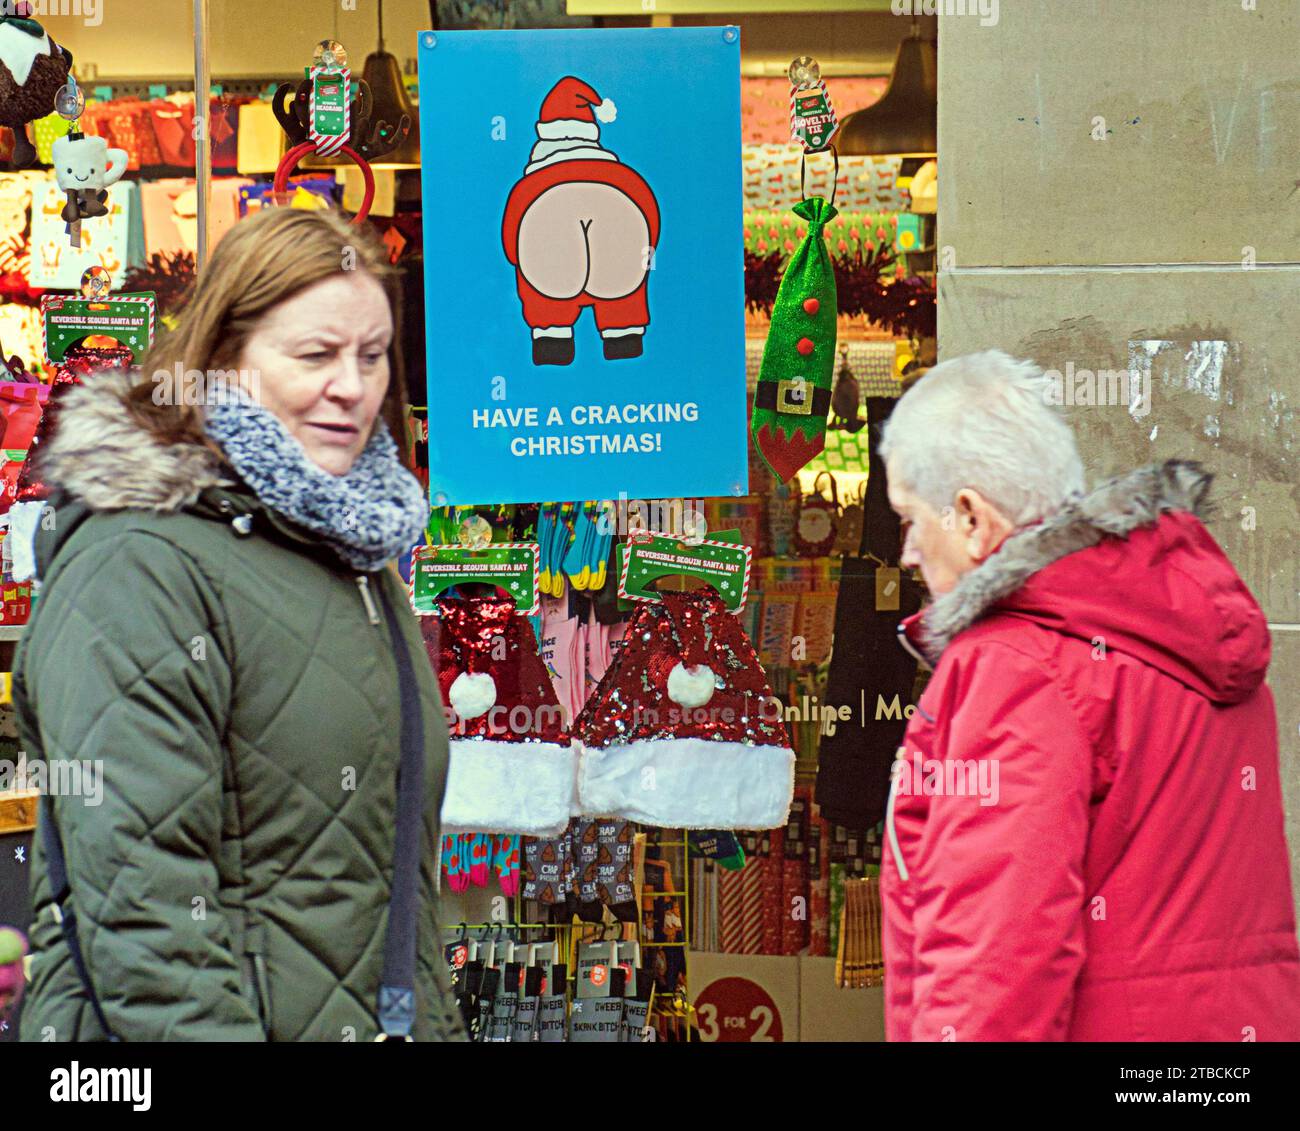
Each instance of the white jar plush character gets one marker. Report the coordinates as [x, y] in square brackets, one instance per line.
[85, 167]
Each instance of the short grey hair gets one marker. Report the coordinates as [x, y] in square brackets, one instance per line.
[985, 421]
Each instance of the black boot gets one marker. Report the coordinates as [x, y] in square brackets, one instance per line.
[94, 202]
[552, 351]
[622, 346]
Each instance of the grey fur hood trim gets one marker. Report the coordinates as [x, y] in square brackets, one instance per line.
[101, 454]
[1116, 507]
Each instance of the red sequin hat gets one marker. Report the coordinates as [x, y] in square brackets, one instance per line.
[684, 731]
[512, 766]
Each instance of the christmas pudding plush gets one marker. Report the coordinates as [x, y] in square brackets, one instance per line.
[512, 764]
[684, 731]
[32, 69]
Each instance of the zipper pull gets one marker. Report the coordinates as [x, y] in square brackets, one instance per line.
[363, 583]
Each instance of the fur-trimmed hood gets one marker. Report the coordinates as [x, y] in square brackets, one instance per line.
[1129, 564]
[246, 467]
[102, 455]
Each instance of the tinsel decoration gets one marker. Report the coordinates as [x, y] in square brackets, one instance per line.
[905, 308]
[170, 275]
[14, 288]
[762, 278]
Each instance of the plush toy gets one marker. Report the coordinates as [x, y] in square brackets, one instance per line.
[32, 69]
[85, 167]
[13, 949]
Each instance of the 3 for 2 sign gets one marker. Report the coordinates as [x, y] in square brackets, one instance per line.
[736, 1009]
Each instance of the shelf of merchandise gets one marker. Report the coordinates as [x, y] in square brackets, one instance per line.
[567, 935]
[684, 896]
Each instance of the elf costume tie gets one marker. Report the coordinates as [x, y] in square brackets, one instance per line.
[793, 396]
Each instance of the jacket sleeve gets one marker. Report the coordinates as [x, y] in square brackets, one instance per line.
[999, 932]
[125, 669]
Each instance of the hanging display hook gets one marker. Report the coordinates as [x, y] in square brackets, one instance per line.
[835, 176]
[328, 113]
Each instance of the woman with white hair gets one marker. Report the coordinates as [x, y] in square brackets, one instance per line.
[1085, 830]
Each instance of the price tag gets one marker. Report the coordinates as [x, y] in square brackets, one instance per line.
[330, 108]
[649, 557]
[813, 121]
[510, 566]
[127, 320]
[887, 589]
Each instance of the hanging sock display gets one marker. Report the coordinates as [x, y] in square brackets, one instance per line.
[505, 863]
[683, 730]
[793, 397]
[453, 855]
[512, 766]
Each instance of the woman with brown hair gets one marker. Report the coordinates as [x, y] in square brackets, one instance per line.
[218, 630]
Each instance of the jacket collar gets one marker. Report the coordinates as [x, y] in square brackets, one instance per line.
[1114, 508]
[103, 455]
[101, 458]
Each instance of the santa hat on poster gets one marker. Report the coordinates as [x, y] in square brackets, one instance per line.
[567, 128]
[683, 731]
[512, 766]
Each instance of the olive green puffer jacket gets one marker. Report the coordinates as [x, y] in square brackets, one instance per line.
[239, 686]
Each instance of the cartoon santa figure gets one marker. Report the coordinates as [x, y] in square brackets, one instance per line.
[580, 228]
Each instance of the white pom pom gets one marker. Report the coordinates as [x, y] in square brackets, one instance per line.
[606, 111]
[472, 694]
[690, 687]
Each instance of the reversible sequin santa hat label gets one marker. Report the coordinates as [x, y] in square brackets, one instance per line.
[684, 731]
[512, 766]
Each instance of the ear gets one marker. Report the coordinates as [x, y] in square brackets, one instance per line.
[984, 526]
[967, 509]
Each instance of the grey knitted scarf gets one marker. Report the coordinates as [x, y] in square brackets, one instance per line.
[370, 516]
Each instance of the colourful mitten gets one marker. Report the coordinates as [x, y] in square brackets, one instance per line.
[793, 396]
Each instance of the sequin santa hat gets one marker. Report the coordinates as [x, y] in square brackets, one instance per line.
[683, 731]
[512, 766]
[567, 127]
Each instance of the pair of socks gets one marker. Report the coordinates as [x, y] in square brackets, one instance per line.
[583, 871]
[473, 858]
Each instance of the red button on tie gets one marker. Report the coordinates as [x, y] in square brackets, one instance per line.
[811, 305]
[805, 346]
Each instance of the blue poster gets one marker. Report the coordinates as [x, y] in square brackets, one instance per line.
[584, 269]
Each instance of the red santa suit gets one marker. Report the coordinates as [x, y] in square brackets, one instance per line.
[580, 229]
